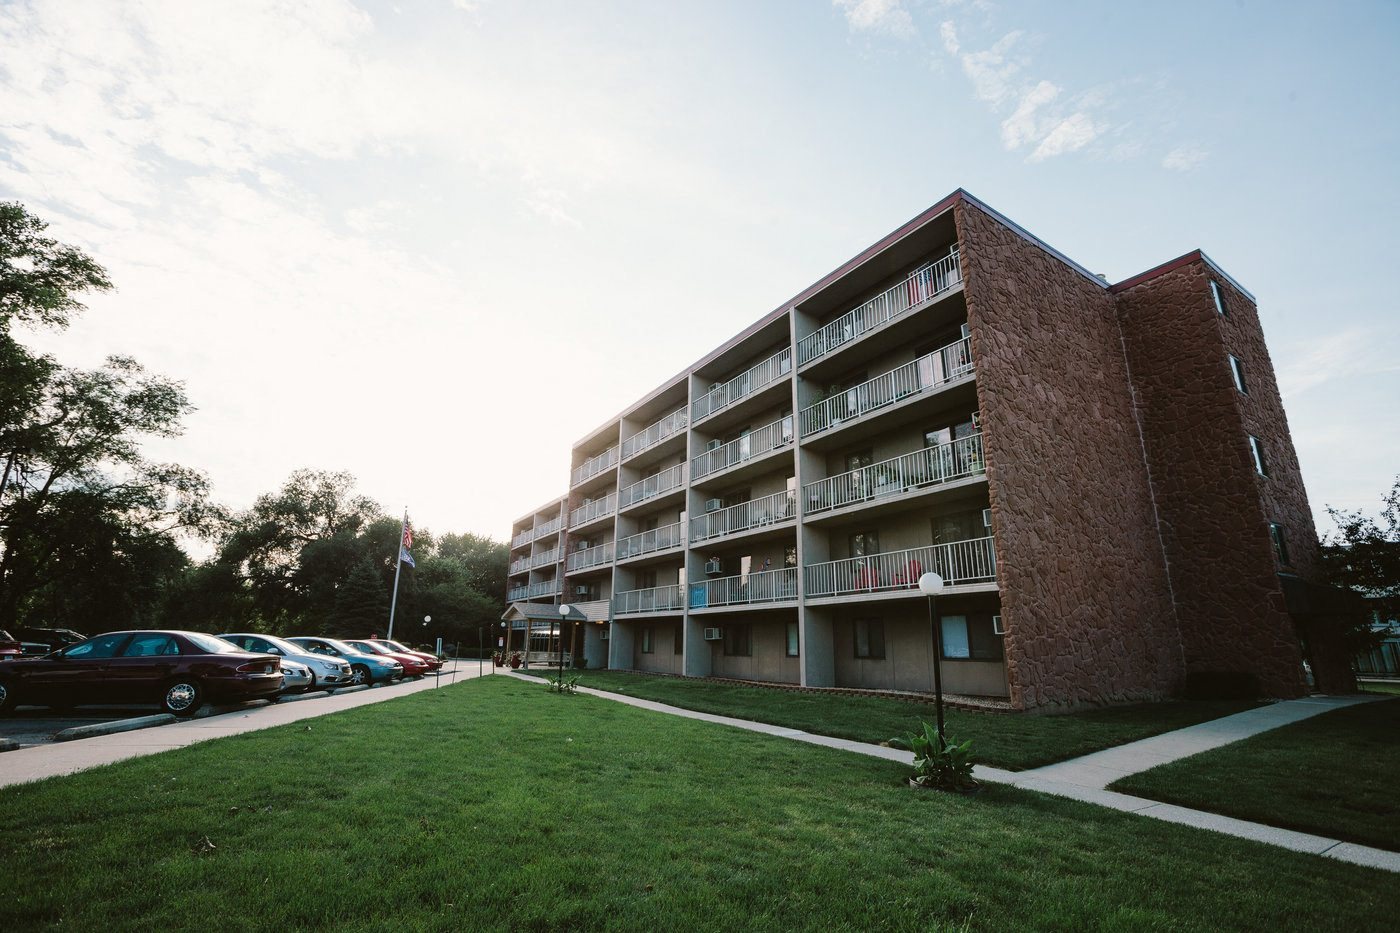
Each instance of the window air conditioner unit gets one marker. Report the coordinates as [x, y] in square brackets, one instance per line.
[581, 591]
[715, 444]
[977, 419]
[714, 565]
[583, 546]
[713, 505]
[987, 518]
[714, 634]
[997, 628]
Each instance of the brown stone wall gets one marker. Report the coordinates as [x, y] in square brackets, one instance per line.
[1215, 508]
[1085, 597]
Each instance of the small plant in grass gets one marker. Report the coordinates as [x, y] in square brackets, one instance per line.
[940, 764]
[515, 660]
[563, 684]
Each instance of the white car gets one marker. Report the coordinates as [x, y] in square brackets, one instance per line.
[325, 672]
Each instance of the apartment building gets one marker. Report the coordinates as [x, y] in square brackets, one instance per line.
[1102, 474]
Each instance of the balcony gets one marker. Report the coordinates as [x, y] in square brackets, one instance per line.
[593, 466]
[655, 434]
[586, 557]
[649, 542]
[522, 539]
[755, 443]
[958, 562]
[913, 378]
[764, 586]
[779, 508]
[534, 590]
[593, 510]
[746, 383]
[652, 486]
[547, 529]
[520, 565]
[545, 558]
[929, 467]
[654, 599]
[922, 285]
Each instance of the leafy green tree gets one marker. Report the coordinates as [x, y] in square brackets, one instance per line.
[361, 603]
[1364, 554]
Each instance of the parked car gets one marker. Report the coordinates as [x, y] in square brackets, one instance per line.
[326, 671]
[179, 670]
[51, 639]
[10, 647]
[413, 666]
[433, 661]
[365, 668]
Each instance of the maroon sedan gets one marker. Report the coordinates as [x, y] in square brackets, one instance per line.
[413, 666]
[179, 670]
[398, 647]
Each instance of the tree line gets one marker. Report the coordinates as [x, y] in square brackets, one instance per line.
[91, 530]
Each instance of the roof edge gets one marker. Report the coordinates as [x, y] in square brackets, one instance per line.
[1173, 264]
[1031, 238]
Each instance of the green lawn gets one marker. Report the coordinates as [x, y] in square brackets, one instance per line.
[495, 804]
[1004, 740]
[1333, 775]
[1391, 687]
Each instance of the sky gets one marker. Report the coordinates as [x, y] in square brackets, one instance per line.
[435, 243]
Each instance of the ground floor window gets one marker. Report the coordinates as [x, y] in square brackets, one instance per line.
[647, 646]
[737, 642]
[679, 637]
[792, 640]
[970, 638]
[870, 638]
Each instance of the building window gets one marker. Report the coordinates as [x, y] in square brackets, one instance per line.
[1256, 449]
[790, 556]
[792, 640]
[1237, 370]
[864, 543]
[736, 640]
[1219, 298]
[679, 639]
[870, 638]
[647, 645]
[970, 638]
[1280, 545]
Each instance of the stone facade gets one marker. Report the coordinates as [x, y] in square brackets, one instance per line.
[1085, 598]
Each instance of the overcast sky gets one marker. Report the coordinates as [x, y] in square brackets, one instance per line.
[435, 243]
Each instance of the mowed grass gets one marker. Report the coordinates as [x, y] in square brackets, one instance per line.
[1015, 741]
[494, 804]
[1334, 775]
[1374, 686]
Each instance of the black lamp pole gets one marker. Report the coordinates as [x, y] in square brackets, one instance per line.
[937, 665]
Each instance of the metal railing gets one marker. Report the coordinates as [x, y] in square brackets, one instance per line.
[940, 464]
[927, 372]
[586, 557]
[958, 562]
[545, 558]
[594, 465]
[924, 283]
[768, 510]
[520, 564]
[746, 383]
[522, 539]
[656, 539]
[654, 434]
[548, 588]
[746, 446]
[652, 486]
[764, 586]
[591, 510]
[653, 599]
[548, 528]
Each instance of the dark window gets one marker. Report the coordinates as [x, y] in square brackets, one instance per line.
[646, 639]
[150, 646]
[1280, 545]
[1257, 450]
[1216, 294]
[790, 556]
[970, 638]
[103, 646]
[870, 638]
[1237, 370]
[737, 641]
[679, 646]
[793, 640]
[864, 544]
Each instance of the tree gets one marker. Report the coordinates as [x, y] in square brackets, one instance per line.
[1364, 555]
[361, 603]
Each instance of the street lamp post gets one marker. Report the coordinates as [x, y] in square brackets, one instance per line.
[931, 585]
[426, 620]
[563, 614]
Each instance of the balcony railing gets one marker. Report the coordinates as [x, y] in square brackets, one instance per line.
[648, 542]
[591, 510]
[654, 599]
[925, 282]
[655, 434]
[928, 467]
[520, 564]
[769, 510]
[764, 586]
[547, 588]
[746, 383]
[547, 529]
[652, 486]
[927, 372]
[586, 557]
[761, 441]
[958, 562]
[594, 465]
[522, 539]
[545, 558]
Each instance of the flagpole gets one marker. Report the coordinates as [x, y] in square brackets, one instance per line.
[398, 565]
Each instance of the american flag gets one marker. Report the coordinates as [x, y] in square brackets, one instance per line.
[407, 543]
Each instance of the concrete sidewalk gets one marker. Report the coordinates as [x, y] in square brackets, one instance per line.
[42, 761]
[1201, 739]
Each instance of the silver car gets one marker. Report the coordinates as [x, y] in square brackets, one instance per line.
[327, 672]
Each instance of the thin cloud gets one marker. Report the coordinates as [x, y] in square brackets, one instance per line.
[880, 16]
[1184, 158]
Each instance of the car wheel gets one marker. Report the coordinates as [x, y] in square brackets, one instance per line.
[359, 674]
[7, 697]
[182, 697]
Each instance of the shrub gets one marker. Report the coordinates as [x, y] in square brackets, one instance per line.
[944, 765]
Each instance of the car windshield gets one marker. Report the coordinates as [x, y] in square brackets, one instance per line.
[6, 636]
[282, 645]
[341, 646]
[394, 645]
[370, 647]
[211, 645]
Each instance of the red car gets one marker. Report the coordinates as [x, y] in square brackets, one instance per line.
[413, 665]
[179, 670]
[399, 647]
[10, 648]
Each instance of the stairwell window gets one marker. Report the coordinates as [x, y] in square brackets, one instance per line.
[1219, 298]
[1237, 370]
[1256, 449]
[647, 645]
[870, 639]
[792, 640]
[1280, 545]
